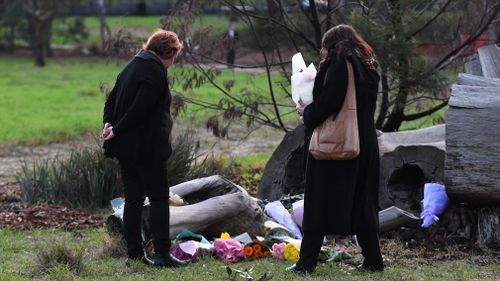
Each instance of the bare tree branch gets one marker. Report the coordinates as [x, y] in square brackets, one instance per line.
[441, 64]
[419, 115]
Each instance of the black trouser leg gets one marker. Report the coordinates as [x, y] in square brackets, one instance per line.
[159, 216]
[132, 213]
[369, 242]
[309, 250]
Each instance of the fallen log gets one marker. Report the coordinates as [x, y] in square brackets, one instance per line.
[408, 160]
[473, 149]
[473, 65]
[474, 80]
[215, 205]
[489, 56]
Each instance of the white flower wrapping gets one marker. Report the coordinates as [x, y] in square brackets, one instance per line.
[302, 80]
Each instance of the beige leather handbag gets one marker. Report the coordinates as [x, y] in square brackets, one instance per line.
[337, 138]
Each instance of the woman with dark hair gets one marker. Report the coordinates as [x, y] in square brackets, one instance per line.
[137, 126]
[341, 196]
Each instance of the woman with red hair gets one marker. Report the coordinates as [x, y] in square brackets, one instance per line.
[137, 126]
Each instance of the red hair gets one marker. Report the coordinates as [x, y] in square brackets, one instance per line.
[164, 43]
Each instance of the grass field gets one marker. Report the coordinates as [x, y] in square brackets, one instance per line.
[139, 26]
[63, 99]
[22, 256]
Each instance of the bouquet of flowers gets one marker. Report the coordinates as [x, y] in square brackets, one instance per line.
[229, 250]
[255, 250]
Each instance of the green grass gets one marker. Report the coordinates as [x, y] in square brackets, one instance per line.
[253, 161]
[62, 100]
[140, 26]
[19, 251]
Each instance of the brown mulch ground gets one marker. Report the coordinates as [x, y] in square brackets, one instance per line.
[17, 215]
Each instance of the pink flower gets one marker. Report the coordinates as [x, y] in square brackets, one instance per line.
[229, 250]
[278, 250]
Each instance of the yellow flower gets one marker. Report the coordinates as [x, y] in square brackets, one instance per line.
[291, 253]
[225, 235]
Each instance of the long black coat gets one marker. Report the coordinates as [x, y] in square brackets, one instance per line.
[341, 197]
[138, 108]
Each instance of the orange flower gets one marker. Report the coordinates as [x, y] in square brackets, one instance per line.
[257, 247]
[258, 253]
[248, 251]
[267, 253]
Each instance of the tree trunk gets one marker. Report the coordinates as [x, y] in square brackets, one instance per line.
[384, 104]
[103, 27]
[330, 18]
[397, 114]
[315, 23]
[38, 44]
[12, 38]
[337, 16]
[48, 37]
[274, 10]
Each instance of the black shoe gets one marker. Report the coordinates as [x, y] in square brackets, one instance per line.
[142, 259]
[168, 261]
[299, 269]
[370, 268]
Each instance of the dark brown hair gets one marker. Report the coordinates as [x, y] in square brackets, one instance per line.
[164, 43]
[341, 40]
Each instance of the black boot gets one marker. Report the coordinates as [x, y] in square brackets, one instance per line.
[168, 261]
[300, 269]
[370, 267]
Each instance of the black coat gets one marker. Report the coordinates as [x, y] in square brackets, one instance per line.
[138, 108]
[341, 197]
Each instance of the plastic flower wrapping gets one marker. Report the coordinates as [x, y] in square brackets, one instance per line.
[278, 250]
[190, 250]
[291, 252]
[229, 250]
[255, 250]
[435, 202]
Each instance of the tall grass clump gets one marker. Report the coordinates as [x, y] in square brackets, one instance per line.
[87, 179]
[56, 253]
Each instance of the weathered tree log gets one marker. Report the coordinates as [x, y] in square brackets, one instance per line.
[473, 149]
[215, 205]
[474, 80]
[393, 217]
[489, 227]
[473, 65]
[490, 61]
[284, 173]
[404, 170]
[408, 160]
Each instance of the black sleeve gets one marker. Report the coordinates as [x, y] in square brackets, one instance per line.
[109, 105]
[150, 89]
[332, 95]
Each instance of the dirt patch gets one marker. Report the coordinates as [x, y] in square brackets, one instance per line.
[23, 217]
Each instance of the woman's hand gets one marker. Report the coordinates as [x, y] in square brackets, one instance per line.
[107, 132]
[300, 108]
